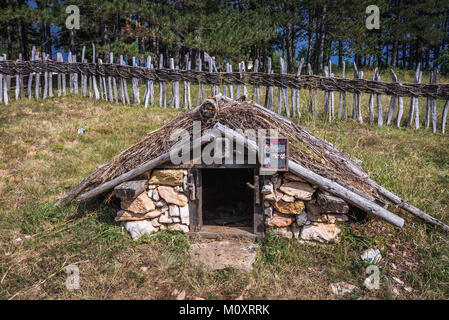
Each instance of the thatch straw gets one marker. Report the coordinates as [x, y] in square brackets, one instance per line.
[311, 152]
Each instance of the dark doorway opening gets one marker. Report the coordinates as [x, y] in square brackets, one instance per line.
[226, 198]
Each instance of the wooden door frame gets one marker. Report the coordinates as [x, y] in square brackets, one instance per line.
[196, 206]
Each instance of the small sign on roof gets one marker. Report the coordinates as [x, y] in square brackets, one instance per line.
[274, 155]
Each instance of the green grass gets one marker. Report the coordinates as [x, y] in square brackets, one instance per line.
[43, 157]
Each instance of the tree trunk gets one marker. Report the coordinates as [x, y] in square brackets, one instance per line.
[8, 32]
[72, 41]
[320, 53]
[340, 53]
[309, 41]
[394, 58]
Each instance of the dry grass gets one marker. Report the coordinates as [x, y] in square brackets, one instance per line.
[43, 157]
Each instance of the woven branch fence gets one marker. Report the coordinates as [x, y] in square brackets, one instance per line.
[109, 81]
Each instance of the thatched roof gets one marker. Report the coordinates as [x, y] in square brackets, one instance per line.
[311, 152]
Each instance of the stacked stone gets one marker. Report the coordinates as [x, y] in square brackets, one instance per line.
[294, 208]
[159, 203]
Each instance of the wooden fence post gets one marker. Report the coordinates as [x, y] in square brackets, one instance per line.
[200, 96]
[280, 90]
[50, 80]
[342, 100]
[359, 101]
[327, 110]
[444, 117]
[162, 85]
[245, 89]
[59, 77]
[355, 98]
[94, 79]
[17, 91]
[298, 91]
[434, 102]
[30, 76]
[412, 100]
[256, 88]
[75, 76]
[284, 89]
[38, 80]
[392, 108]
[380, 119]
[110, 87]
[417, 122]
[135, 85]
[371, 101]
[146, 96]
[331, 93]
[124, 85]
[100, 80]
[269, 89]
[45, 94]
[313, 108]
[1, 84]
[3, 87]
[429, 105]
[83, 76]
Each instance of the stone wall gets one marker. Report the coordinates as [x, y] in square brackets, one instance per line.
[294, 208]
[156, 204]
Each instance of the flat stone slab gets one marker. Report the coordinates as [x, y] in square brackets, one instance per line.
[223, 254]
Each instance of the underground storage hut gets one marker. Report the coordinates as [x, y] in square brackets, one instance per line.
[215, 171]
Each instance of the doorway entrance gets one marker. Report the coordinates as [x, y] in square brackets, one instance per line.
[226, 198]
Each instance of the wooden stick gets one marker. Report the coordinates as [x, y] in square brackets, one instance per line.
[114, 80]
[434, 102]
[146, 96]
[380, 119]
[110, 88]
[342, 100]
[75, 77]
[444, 117]
[355, 98]
[69, 196]
[298, 92]
[269, 89]
[100, 80]
[429, 104]
[38, 80]
[410, 208]
[284, 89]
[200, 97]
[44, 96]
[359, 100]
[392, 108]
[326, 97]
[162, 86]
[417, 124]
[135, 85]
[50, 82]
[412, 100]
[371, 101]
[30, 76]
[17, 91]
[94, 80]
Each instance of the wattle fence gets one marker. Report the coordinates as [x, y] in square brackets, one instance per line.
[109, 81]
